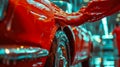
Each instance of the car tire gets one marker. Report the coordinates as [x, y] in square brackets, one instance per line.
[59, 54]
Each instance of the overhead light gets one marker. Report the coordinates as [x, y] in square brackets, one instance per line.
[86, 0]
[117, 19]
[105, 25]
[118, 15]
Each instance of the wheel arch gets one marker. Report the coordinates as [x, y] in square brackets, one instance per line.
[68, 31]
[70, 35]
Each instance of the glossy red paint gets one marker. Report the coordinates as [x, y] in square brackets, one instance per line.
[95, 10]
[27, 22]
[82, 48]
[34, 22]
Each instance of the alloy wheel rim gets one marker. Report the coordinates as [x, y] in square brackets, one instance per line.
[61, 56]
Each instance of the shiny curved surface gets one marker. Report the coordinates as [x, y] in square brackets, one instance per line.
[16, 53]
[22, 53]
[27, 21]
[81, 46]
[95, 10]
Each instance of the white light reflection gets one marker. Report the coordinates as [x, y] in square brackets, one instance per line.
[69, 6]
[38, 5]
[105, 25]
[98, 61]
[41, 17]
[7, 51]
[18, 49]
[21, 46]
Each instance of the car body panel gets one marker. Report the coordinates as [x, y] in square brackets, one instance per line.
[27, 24]
[82, 47]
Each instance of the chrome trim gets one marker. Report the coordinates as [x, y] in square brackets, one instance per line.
[14, 54]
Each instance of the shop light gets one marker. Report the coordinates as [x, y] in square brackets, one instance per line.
[118, 15]
[117, 19]
[105, 25]
[86, 1]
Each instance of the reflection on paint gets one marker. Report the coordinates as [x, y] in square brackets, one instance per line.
[38, 5]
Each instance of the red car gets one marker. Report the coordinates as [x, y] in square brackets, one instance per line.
[30, 37]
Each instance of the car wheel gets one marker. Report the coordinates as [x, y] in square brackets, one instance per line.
[60, 54]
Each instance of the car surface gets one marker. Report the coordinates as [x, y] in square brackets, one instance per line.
[30, 37]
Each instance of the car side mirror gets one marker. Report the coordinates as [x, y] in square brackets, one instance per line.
[3, 8]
